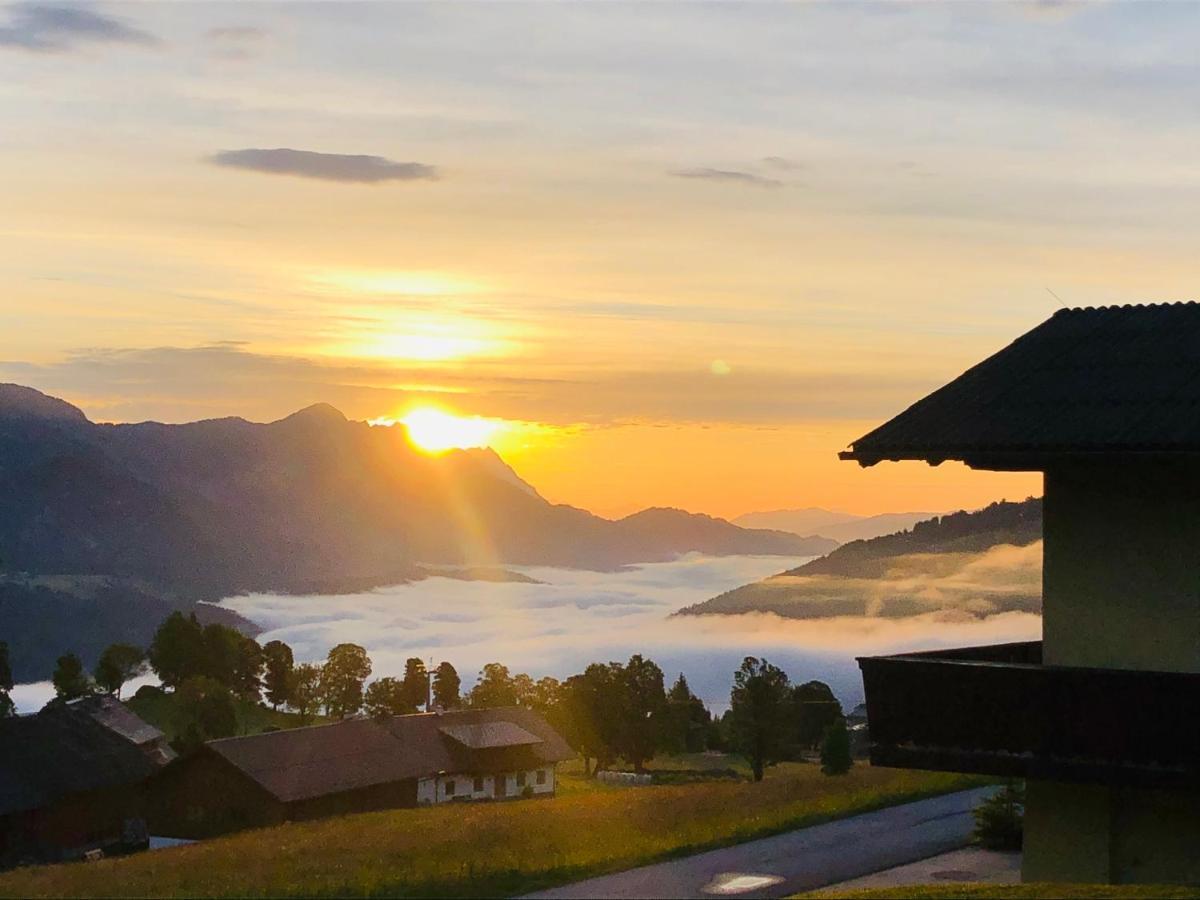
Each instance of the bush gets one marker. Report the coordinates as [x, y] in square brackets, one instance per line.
[149, 692]
[999, 820]
[835, 749]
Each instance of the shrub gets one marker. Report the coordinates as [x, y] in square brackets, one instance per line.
[999, 820]
[835, 749]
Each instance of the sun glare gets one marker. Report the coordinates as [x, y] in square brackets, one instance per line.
[436, 431]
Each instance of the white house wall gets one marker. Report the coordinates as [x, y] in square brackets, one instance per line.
[437, 789]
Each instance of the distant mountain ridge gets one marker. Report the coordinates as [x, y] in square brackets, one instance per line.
[211, 508]
[848, 580]
[840, 526]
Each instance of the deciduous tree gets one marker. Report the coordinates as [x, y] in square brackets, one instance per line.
[494, 688]
[643, 703]
[814, 710]
[204, 711]
[387, 697]
[342, 677]
[177, 651]
[304, 691]
[280, 664]
[835, 749]
[118, 664]
[70, 678]
[758, 713]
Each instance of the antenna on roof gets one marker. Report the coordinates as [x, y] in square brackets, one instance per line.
[1056, 297]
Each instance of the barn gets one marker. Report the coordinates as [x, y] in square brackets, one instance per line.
[357, 765]
[74, 781]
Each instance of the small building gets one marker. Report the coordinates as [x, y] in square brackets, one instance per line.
[73, 781]
[357, 765]
[1100, 716]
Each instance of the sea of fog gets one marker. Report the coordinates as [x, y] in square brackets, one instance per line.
[575, 617]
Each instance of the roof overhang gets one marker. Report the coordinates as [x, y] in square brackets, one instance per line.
[1023, 460]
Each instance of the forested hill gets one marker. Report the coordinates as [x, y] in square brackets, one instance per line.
[1005, 522]
[310, 503]
[939, 564]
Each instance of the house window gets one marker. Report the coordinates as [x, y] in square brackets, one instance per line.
[450, 788]
[520, 779]
[478, 783]
[541, 776]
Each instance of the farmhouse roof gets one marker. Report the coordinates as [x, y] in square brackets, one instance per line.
[1105, 381]
[302, 763]
[63, 751]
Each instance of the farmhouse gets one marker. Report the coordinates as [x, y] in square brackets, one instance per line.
[1101, 715]
[73, 781]
[357, 765]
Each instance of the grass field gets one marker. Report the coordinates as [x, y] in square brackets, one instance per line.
[489, 849]
[1018, 892]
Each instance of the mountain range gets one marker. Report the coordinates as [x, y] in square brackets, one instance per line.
[842, 527]
[310, 503]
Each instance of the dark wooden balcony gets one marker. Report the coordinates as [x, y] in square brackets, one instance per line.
[997, 710]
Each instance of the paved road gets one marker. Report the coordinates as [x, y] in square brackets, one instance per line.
[798, 860]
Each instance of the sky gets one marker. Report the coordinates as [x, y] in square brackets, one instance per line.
[673, 254]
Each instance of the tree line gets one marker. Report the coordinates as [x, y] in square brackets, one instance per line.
[608, 712]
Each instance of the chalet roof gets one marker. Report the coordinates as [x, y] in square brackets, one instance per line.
[1105, 381]
[62, 751]
[490, 735]
[302, 763]
[115, 715]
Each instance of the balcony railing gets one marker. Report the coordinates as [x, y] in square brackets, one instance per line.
[997, 710]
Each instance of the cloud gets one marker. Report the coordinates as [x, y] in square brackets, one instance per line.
[730, 176]
[46, 28]
[782, 163]
[353, 168]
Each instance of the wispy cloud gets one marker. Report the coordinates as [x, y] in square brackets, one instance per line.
[45, 28]
[729, 175]
[353, 168]
[782, 163]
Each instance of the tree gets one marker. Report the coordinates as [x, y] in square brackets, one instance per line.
[280, 664]
[416, 685]
[543, 696]
[643, 706]
[835, 749]
[7, 707]
[815, 709]
[177, 651]
[687, 721]
[494, 688]
[999, 820]
[758, 713]
[204, 711]
[70, 678]
[118, 664]
[304, 690]
[346, 668]
[446, 685]
[590, 705]
[248, 663]
[387, 697]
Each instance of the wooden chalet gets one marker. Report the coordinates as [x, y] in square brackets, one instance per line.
[357, 765]
[1102, 716]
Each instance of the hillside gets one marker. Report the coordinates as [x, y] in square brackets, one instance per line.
[175, 514]
[976, 563]
[841, 527]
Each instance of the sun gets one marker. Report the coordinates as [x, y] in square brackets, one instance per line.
[436, 431]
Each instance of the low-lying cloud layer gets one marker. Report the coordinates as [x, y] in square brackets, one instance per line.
[47, 28]
[575, 617]
[353, 168]
[951, 586]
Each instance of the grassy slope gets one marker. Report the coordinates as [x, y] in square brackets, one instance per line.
[488, 849]
[1018, 892]
[253, 718]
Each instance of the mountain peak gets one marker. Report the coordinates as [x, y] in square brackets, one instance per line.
[20, 402]
[317, 413]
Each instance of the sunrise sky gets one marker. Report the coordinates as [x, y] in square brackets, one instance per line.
[683, 254]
